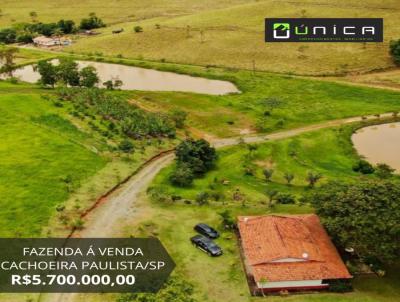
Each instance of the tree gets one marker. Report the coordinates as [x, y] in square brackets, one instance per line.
[66, 26]
[7, 57]
[46, 29]
[289, 177]
[88, 77]
[8, 35]
[364, 216]
[118, 83]
[138, 29]
[92, 22]
[126, 146]
[67, 72]
[228, 222]
[271, 197]
[24, 37]
[179, 118]
[384, 171]
[202, 198]
[33, 15]
[182, 176]
[395, 51]
[363, 167]
[111, 85]
[313, 178]
[268, 174]
[47, 73]
[197, 154]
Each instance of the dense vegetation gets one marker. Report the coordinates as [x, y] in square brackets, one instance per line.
[118, 116]
[25, 32]
[363, 216]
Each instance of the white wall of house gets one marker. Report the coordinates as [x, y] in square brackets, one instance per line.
[288, 284]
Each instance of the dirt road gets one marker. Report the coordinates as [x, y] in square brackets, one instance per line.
[106, 219]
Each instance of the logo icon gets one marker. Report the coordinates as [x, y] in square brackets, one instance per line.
[281, 30]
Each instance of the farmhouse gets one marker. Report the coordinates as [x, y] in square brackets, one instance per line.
[47, 42]
[44, 41]
[288, 252]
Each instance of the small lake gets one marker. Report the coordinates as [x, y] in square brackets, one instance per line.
[136, 78]
[379, 144]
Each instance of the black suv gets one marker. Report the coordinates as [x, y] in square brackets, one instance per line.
[206, 245]
[206, 230]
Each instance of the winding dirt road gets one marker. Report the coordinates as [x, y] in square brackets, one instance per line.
[106, 219]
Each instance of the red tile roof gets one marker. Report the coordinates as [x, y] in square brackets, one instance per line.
[289, 248]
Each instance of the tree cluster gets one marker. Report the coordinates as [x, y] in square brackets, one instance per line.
[364, 216]
[66, 72]
[194, 158]
[25, 32]
[123, 118]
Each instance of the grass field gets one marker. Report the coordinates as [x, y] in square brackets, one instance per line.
[38, 149]
[232, 32]
[328, 152]
[233, 36]
[48, 159]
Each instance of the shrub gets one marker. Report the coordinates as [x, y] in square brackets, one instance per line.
[284, 198]
[179, 117]
[126, 146]
[228, 222]
[363, 167]
[138, 29]
[340, 286]
[395, 51]
[202, 198]
[384, 171]
[182, 176]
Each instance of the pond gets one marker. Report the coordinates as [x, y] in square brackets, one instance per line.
[136, 78]
[379, 144]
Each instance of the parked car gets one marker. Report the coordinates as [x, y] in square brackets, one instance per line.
[206, 230]
[206, 245]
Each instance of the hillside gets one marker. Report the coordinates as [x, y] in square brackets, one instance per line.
[223, 33]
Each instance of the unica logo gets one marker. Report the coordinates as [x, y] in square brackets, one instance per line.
[324, 30]
[281, 30]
